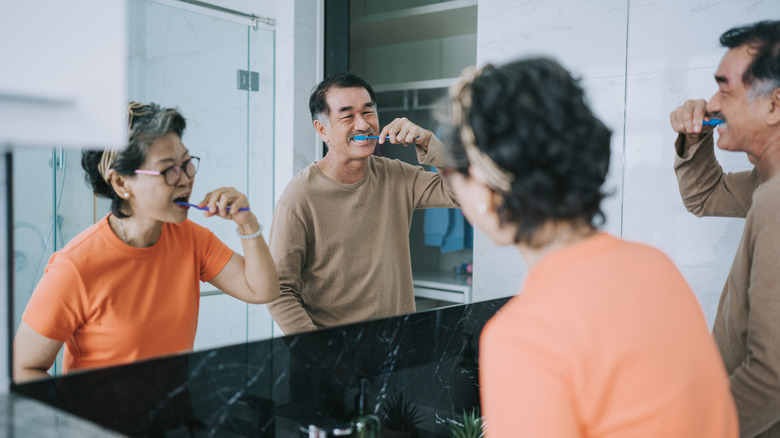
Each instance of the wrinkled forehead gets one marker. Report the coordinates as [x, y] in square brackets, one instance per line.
[341, 100]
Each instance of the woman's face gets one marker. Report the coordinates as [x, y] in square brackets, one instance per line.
[479, 203]
[150, 196]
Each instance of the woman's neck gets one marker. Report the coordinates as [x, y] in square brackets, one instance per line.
[555, 238]
[136, 232]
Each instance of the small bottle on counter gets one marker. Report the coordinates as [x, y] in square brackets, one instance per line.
[365, 424]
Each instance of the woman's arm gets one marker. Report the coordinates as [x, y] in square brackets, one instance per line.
[33, 354]
[251, 278]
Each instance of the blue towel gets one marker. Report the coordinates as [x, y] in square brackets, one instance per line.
[447, 229]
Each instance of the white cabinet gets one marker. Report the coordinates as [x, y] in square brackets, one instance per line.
[63, 80]
[436, 288]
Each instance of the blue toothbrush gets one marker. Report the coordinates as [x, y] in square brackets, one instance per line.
[712, 122]
[366, 137]
[187, 204]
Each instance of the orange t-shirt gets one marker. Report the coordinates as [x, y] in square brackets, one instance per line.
[112, 303]
[606, 340]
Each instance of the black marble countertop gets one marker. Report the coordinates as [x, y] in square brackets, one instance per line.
[23, 417]
[274, 387]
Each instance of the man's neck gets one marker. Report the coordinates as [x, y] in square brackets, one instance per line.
[345, 171]
[768, 163]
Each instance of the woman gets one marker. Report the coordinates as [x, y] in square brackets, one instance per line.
[127, 288]
[606, 338]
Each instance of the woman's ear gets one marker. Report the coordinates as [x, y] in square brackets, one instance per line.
[119, 184]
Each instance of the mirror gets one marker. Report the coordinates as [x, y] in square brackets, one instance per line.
[196, 60]
[410, 72]
[177, 58]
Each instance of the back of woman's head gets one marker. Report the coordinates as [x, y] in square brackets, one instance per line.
[526, 126]
[146, 123]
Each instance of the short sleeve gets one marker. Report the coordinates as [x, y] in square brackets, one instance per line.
[56, 307]
[212, 253]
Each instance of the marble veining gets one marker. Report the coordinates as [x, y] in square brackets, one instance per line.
[275, 386]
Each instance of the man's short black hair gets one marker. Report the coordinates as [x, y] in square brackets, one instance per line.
[764, 38]
[317, 101]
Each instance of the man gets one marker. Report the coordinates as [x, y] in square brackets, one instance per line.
[747, 325]
[339, 233]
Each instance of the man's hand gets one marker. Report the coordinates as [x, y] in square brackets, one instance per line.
[687, 120]
[402, 131]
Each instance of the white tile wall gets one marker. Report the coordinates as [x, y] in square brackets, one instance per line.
[297, 144]
[639, 60]
[588, 37]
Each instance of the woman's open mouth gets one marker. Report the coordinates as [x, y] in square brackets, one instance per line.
[182, 199]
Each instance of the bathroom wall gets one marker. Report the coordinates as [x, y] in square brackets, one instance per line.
[299, 68]
[639, 60]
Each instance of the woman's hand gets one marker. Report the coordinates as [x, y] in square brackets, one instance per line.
[225, 202]
[251, 277]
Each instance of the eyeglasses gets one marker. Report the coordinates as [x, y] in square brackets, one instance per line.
[172, 174]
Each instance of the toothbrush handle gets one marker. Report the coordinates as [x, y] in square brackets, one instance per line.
[206, 208]
[240, 209]
[366, 137]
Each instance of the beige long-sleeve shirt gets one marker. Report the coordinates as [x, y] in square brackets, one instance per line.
[747, 324]
[342, 250]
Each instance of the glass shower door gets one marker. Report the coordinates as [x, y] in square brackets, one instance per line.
[220, 75]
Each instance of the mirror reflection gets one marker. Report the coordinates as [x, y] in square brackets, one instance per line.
[219, 73]
[336, 228]
[126, 288]
[189, 61]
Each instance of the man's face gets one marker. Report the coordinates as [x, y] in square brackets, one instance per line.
[351, 113]
[744, 117]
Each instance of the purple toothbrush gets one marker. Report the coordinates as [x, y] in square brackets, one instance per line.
[187, 204]
[368, 137]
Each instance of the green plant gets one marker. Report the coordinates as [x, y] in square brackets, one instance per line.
[469, 426]
[399, 413]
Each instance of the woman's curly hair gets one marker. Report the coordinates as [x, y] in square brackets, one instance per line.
[531, 119]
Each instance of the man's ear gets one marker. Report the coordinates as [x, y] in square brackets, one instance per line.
[773, 117]
[322, 130]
